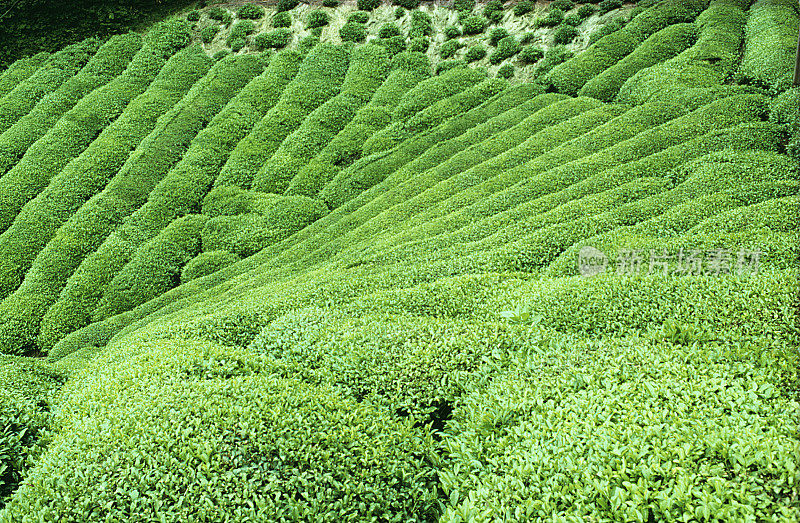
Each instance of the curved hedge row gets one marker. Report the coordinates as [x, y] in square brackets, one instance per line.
[423, 95]
[593, 133]
[707, 64]
[40, 218]
[319, 78]
[109, 61]
[659, 47]
[156, 266]
[770, 44]
[371, 170]
[501, 228]
[368, 68]
[83, 123]
[59, 68]
[573, 74]
[207, 263]
[468, 97]
[131, 188]
[20, 71]
[408, 69]
[652, 137]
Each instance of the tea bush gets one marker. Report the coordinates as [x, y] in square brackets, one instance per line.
[317, 18]
[475, 53]
[474, 24]
[207, 263]
[505, 71]
[250, 12]
[208, 33]
[497, 34]
[353, 32]
[493, 11]
[275, 39]
[449, 48]
[368, 5]
[20, 71]
[451, 32]
[530, 54]
[282, 19]
[506, 48]
[389, 30]
[770, 44]
[524, 7]
[565, 34]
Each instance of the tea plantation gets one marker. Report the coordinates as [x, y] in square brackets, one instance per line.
[525, 261]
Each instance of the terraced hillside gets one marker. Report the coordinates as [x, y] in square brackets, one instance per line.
[354, 279]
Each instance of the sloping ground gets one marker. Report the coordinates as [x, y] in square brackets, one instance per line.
[326, 284]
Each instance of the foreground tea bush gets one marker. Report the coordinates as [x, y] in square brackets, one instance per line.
[20, 71]
[352, 460]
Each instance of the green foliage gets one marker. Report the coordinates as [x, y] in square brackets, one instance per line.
[282, 19]
[227, 19]
[286, 5]
[317, 18]
[570, 76]
[144, 184]
[475, 53]
[419, 44]
[20, 71]
[573, 20]
[563, 5]
[353, 32]
[275, 219]
[208, 33]
[408, 69]
[464, 6]
[770, 45]
[609, 5]
[506, 71]
[275, 39]
[193, 16]
[606, 29]
[553, 18]
[320, 77]
[506, 48]
[497, 34]
[449, 48]
[421, 24]
[527, 38]
[474, 24]
[361, 17]
[216, 13]
[368, 5]
[447, 65]
[451, 32]
[493, 11]
[58, 69]
[399, 13]
[660, 47]
[207, 263]
[330, 3]
[389, 30]
[408, 4]
[530, 54]
[699, 71]
[586, 10]
[250, 12]
[524, 7]
[368, 68]
[109, 61]
[156, 266]
[393, 45]
[565, 34]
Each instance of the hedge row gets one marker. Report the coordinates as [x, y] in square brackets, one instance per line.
[546, 128]
[109, 61]
[770, 44]
[368, 67]
[534, 181]
[276, 219]
[710, 186]
[156, 266]
[708, 63]
[319, 78]
[207, 263]
[498, 229]
[468, 98]
[20, 71]
[84, 122]
[570, 76]
[408, 70]
[371, 170]
[130, 189]
[661, 46]
[39, 220]
[593, 133]
[59, 68]
[423, 95]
